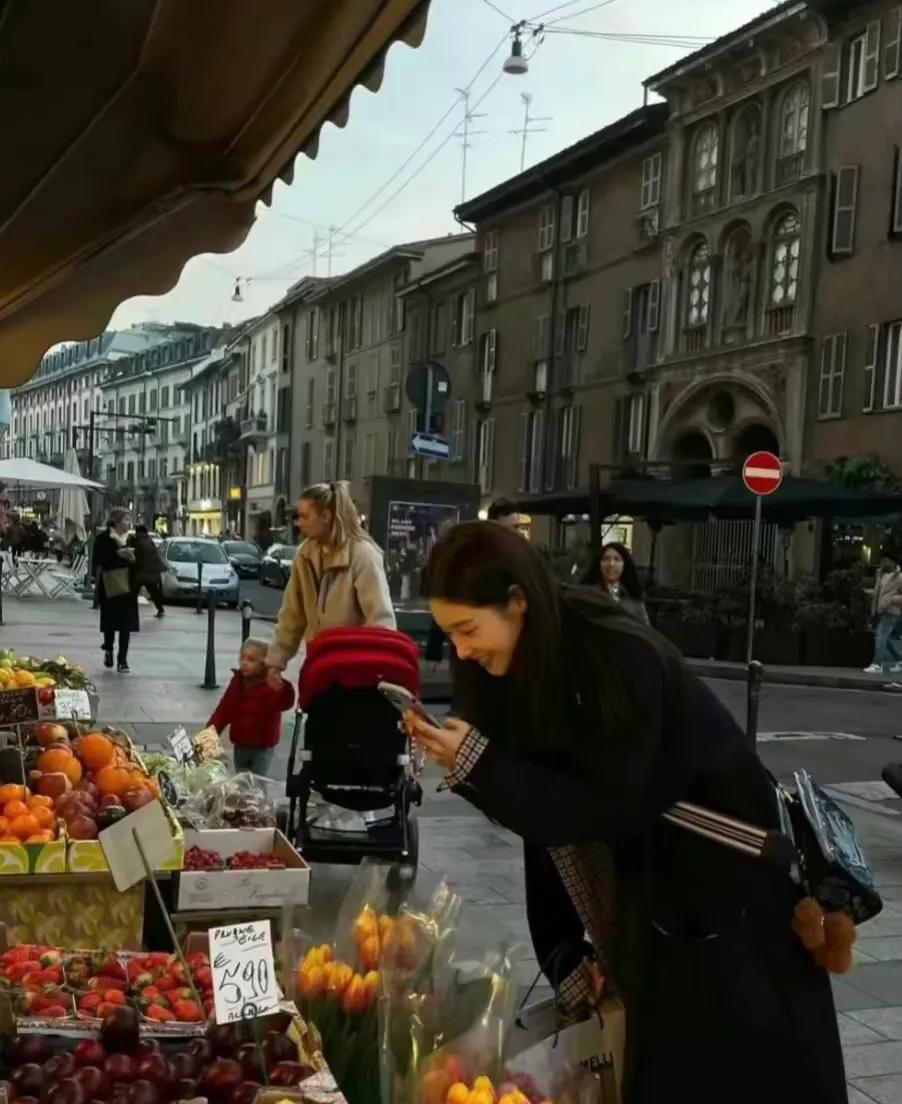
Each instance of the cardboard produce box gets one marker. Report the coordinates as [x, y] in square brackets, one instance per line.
[212, 889]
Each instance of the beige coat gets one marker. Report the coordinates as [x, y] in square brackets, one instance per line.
[886, 597]
[328, 589]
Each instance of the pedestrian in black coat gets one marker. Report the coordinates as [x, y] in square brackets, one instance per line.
[580, 727]
[149, 567]
[118, 612]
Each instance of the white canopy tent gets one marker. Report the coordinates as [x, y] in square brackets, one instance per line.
[20, 471]
[73, 504]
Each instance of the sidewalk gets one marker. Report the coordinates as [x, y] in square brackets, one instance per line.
[480, 860]
[831, 678]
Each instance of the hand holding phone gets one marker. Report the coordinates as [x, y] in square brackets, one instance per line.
[405, 702]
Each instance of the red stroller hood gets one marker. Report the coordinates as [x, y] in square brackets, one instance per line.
[357, 659]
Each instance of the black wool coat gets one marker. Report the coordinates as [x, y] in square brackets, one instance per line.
[722, 1001]
[119, 613]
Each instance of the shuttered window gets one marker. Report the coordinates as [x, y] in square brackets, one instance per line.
[845, 202]
[870, 368]
[833, 370]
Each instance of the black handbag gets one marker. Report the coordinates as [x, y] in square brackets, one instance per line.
[816, 844]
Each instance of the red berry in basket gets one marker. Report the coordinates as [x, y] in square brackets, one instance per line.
[158, 1013]
[114, 996]
[204, 977]
[186, 1011]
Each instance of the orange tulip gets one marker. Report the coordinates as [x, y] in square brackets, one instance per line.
[312, 982]
[386, 925]
[366, 922]
[338, 979]
[354, 997]
[369, 951]
[371, 987]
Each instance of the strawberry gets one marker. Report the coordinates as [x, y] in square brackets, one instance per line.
[183, 993]
[186, 1011]
[90, 1002]
[165, 983]
[103, 982]
[204, 977]
[112, 967]
[55, 1012]
[150, 993]
[51, 958]
[208, 1005]
[21, 953]
[177, 973]
[102, 1009]
[114, 996]
[51, 975]
[198, 959]
[158, 1013]
[156, 959]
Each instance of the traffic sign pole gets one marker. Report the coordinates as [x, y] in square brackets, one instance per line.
[753, 586]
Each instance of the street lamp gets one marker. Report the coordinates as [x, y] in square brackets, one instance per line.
[516, 65]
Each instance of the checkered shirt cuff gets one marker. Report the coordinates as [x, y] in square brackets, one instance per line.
[468, 755]
[574, 994]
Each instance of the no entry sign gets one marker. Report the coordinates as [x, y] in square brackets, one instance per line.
[762, 473]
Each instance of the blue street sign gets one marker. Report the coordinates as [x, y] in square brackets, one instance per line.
[431, 445]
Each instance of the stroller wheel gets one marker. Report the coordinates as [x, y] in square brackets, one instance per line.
[408, 867]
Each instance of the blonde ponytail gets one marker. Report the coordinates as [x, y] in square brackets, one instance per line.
[336, 498]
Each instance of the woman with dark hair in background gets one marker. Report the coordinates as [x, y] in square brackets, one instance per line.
[117, 591]
[615, 572]
[578, 727]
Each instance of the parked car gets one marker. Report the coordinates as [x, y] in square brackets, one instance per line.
[276, 565]
[183, 555]
[245, 557]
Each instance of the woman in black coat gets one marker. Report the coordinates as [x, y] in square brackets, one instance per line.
[580, 727]
[118, 612]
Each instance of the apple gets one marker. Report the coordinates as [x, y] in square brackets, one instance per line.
[81, 827]
[93, 1082]
[278, 1048]
[147, 1047]
[91, 790]
[119, 1067]
[202, 1051]
[287, 1074]
[137, 797]
[245, 1093]
[250, 1060]
[59, 1066]
[28, 1080]
[47, 734]
[67, 1091]
[89, 1053]
[145, 1092]
[185, 1089]
[221, 1079]
[110, 801]
[28, 1048]
[154, 1068]
[183, 1065]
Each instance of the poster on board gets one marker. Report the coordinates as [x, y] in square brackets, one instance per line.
[413, 528]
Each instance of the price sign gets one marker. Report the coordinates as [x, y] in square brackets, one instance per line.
[73, 705]
[181, 744]
[18, 706]
[244, 974]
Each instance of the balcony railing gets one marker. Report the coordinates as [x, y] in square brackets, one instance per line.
[704, 200]
[329, 414]
[254, 427]
[779, 320]
[694, 338]
[790, 168]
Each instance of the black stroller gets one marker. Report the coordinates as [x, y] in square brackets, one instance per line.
[353, 753]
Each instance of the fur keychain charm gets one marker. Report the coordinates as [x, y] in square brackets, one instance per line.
[828, 935]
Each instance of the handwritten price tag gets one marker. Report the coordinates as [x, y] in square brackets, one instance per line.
[72, 705]
[244, 974]
[182, 747]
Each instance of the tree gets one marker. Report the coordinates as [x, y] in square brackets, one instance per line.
[860, 471]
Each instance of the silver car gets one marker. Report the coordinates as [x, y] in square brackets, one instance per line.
[186, 557]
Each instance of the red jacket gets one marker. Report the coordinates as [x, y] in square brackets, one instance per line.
[253, 713]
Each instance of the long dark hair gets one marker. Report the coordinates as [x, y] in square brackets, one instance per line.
[629, 580]
[479, 564]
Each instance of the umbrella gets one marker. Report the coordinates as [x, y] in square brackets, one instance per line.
[20, 471]
[73, 504]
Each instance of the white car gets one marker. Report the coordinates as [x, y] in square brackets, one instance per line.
[185, 556]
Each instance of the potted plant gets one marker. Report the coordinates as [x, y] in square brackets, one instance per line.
[688, 621]
[835, 622]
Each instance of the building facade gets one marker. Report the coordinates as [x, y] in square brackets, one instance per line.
[854, 403]
[349, 414]
[568, 309]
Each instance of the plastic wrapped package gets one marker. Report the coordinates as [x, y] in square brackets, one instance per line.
[219, 799]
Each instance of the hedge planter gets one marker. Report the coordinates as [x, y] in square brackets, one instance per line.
[838, 648]
[695, 639]
[780, 647]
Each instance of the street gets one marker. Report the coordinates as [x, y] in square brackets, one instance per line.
[265, 599]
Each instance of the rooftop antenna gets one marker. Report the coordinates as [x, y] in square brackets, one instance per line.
[465, 135]
[527, 129]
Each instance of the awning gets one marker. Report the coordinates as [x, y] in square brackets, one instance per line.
[673, 500]
[138, 134]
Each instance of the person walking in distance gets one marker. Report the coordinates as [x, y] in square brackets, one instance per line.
[337, 576]
[149, 567]
[615, 572]
[117, 590]
[505, 513]
[252, 710]
[886, 608]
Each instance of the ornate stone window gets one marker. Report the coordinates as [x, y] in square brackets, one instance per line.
[745, 166]
[705, 154]
[783, 273]
[794, 111]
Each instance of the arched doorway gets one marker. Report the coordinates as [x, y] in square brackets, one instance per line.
[691, 456]
[755, 438]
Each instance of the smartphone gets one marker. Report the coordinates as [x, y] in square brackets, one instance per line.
[402, 699]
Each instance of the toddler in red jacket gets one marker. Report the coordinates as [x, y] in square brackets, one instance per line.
[252, 710]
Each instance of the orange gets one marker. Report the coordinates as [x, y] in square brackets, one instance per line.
[56, 760]
[9, 839]
[24, 826]
[39, 799]
[112, 780]
[4, 825]
[14, 808]
[95, 750]
[43, 816]
[11, 792]
[44, 836]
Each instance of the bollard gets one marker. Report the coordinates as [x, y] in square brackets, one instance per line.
[200, 588]
[247, 612]
[753, 694]
[210, 682]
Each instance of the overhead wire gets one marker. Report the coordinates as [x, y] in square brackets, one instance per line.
[551, 11]
[491, 4]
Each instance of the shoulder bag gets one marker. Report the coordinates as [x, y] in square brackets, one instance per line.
[116, 582]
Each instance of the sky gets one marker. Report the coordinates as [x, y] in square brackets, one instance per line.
[582, 83]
